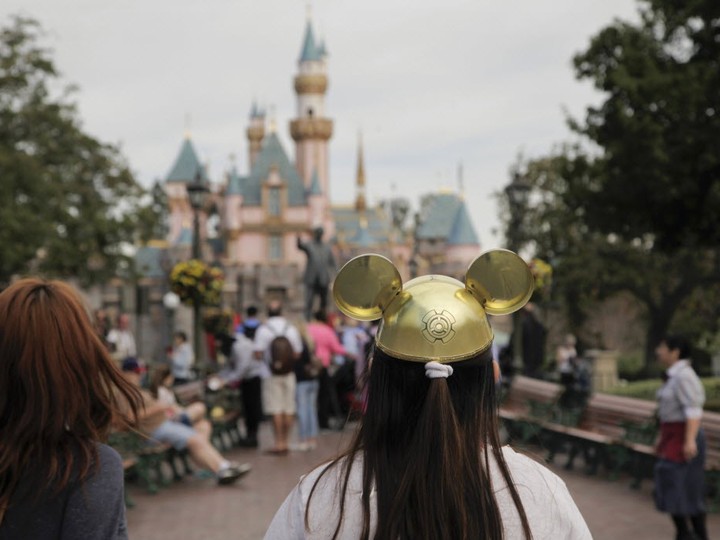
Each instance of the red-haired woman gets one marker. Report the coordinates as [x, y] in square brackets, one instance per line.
[60, 394]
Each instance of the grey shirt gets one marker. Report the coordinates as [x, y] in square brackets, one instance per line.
[682, 396]
[92, 510]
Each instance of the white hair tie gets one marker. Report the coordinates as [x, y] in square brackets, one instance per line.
[436, 370]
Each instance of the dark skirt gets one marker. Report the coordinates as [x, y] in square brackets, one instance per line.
[680, 487]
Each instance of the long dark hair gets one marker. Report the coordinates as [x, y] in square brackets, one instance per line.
[60, 391]
[421, 441]
[159, 374]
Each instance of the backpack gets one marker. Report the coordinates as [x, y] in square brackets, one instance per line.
[282, 355]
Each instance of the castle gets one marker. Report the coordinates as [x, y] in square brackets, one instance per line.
[257, 217]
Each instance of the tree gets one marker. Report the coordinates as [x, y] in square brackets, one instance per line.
[69, 205]
[635, 204]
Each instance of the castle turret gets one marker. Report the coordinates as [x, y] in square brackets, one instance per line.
[360, 202]
[255, 133]
[186, 169]
[311, 130]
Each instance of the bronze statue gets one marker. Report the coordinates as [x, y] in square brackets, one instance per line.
[320, 266]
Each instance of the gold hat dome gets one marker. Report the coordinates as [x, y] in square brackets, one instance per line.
[433, 317]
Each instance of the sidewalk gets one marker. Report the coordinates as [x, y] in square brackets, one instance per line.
[197, 509]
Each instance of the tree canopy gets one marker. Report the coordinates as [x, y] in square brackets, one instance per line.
[69, 205]
[634, 203]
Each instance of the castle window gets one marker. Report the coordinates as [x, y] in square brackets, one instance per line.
[275, 250]
[274, 201]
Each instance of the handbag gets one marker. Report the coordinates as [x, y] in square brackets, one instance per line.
[312, 365]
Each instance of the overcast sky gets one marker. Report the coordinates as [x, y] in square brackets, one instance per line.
[430, 84]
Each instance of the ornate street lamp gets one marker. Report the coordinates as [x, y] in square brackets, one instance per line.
[197, 193]
[171, 301]
[517, 193]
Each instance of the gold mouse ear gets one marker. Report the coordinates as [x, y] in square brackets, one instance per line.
[365, 286]
[500, 280]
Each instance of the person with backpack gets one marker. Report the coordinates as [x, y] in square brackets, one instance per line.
[278, 343]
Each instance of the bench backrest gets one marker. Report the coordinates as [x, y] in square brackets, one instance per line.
[711, 426]
[190, 392]
[524, 389]
[606, 410]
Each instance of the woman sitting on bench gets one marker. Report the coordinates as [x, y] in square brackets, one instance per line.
[161, 383]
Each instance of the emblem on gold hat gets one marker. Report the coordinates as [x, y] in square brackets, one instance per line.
[433, 317]
[438, 326]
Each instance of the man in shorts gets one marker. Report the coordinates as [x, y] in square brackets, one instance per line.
[278, 391]
[155, 421]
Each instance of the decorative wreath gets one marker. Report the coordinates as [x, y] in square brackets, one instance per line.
[194, 281]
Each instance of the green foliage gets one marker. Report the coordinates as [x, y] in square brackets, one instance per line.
[658, 126]
[645, 389]
[634, 206]
[630, 366]
[69, 203]
[648, 388]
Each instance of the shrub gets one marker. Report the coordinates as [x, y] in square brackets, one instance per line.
[647, 389]
[630, 365]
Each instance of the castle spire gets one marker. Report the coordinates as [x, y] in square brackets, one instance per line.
[310, 51]
[360, 203]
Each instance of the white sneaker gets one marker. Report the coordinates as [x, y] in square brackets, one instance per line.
[299, 447]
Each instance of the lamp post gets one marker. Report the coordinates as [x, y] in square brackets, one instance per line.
[197, 193]
[171, 301]
[517, 193]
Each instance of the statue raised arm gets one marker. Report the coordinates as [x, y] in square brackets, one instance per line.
[319, 270]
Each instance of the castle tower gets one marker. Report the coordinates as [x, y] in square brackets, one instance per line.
[186, 169]
[255, 133]
[360, 202]
[311, 130]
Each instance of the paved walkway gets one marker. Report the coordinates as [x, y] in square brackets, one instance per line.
[197, 509]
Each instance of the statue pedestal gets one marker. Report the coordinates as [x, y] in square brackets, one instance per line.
[604, 369]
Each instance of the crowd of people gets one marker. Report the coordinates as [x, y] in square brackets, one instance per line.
[316, 384]
[425, 461]
[318, 388]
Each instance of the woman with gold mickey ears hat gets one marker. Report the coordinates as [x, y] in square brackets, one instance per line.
[426, 460]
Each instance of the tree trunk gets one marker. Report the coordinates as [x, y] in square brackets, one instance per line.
[658, 324]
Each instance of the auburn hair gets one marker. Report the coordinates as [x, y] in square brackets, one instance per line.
[426, 446]
[60, 392]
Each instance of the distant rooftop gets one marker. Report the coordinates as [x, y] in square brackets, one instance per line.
[446, 217]
[186, 165]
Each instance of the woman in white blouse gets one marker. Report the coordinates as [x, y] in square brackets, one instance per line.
[679, 470]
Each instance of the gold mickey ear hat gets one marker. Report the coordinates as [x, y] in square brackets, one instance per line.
[434, 317]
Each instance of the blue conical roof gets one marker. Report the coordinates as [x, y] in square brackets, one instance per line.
[235, 183]
[310, 51]
[446, 218]
[463, 232]
[271, 155]
[255, 111]
[186, 165]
